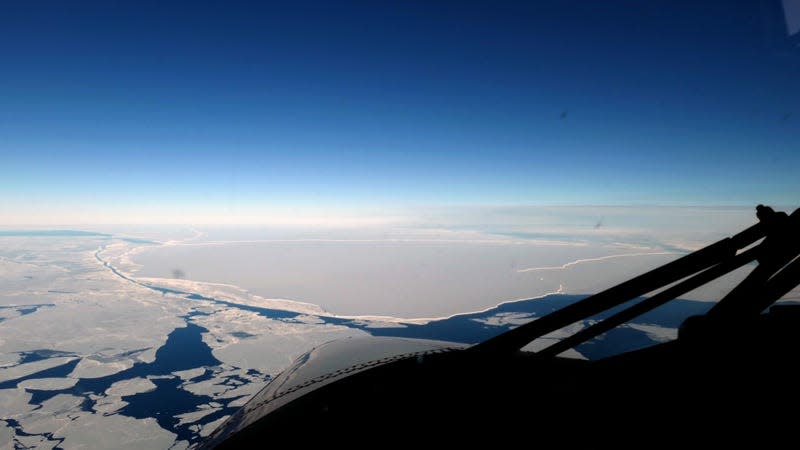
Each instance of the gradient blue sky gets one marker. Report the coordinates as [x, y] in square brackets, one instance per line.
[195, 111]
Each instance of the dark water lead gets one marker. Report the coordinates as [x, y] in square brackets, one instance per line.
[472, 328]
[18, 431]
[184, 349]
[24, 310]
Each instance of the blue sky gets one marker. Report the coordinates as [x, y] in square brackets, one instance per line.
[198, 110]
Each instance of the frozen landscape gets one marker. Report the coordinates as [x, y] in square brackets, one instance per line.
[93, 358]
[108, 340]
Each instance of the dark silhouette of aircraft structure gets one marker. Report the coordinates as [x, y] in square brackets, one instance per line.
[729, 378]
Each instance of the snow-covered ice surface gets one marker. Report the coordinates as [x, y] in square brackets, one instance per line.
[90, 357]
[93, 356]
